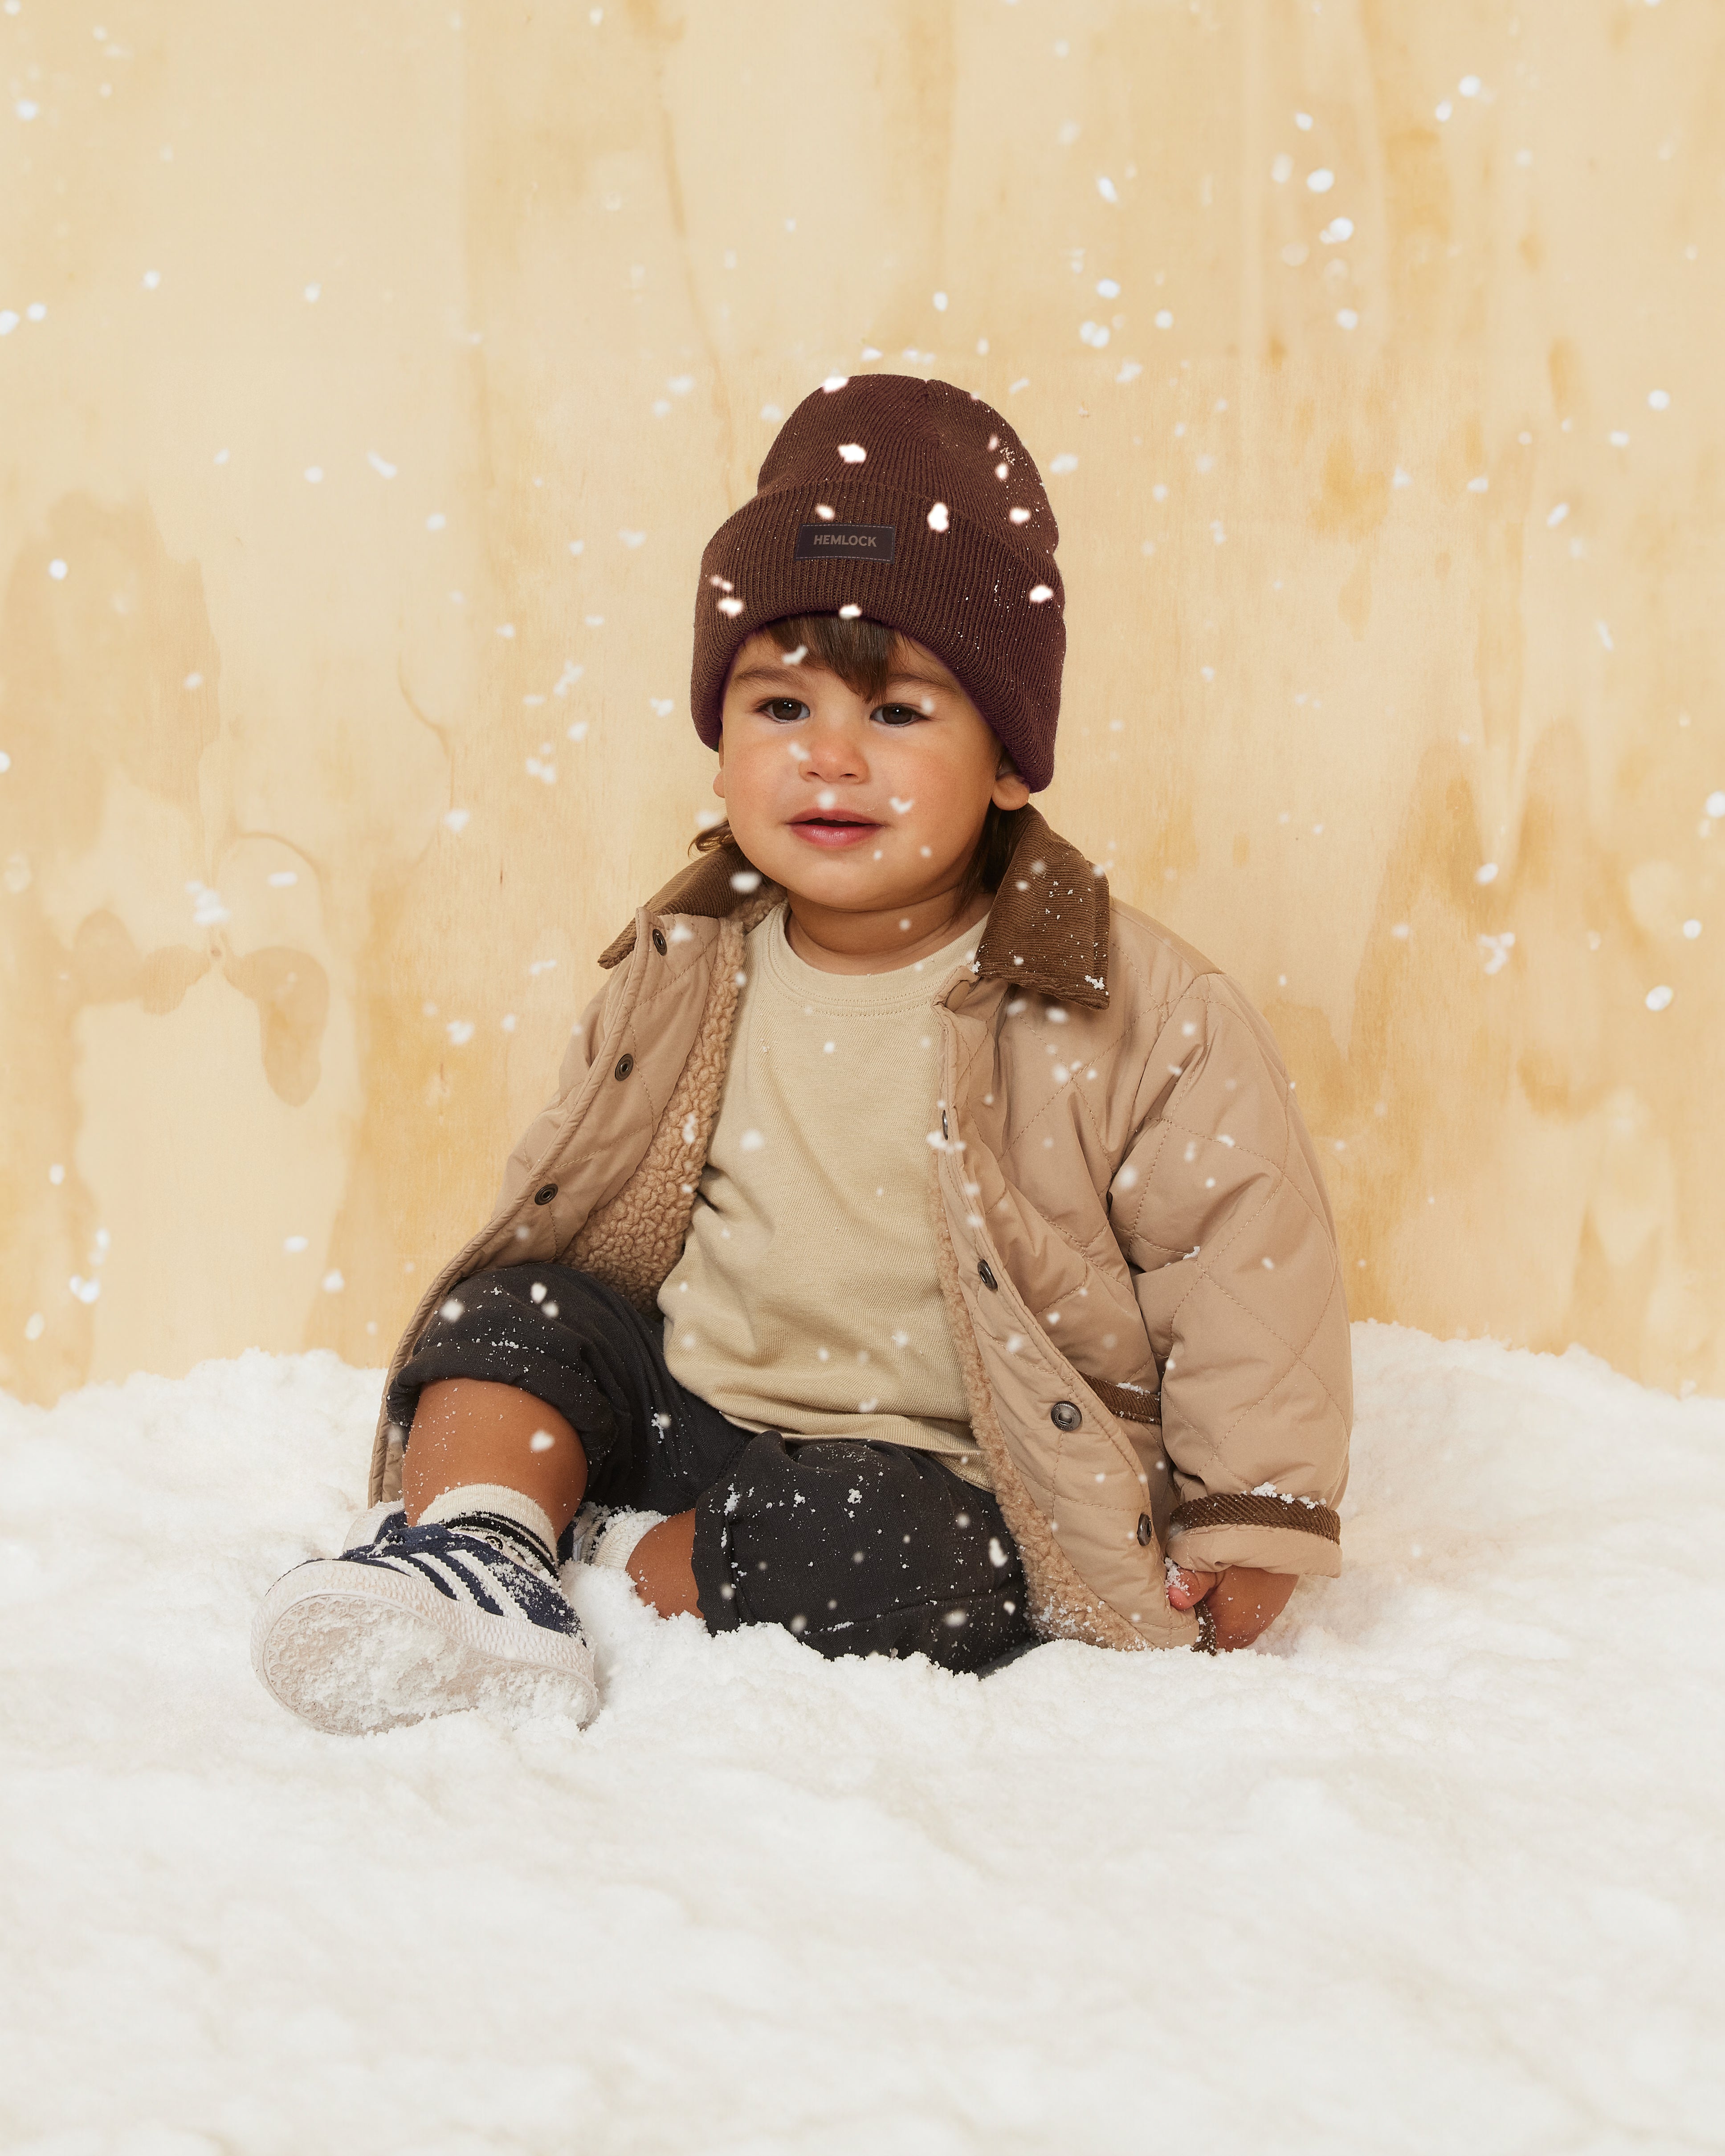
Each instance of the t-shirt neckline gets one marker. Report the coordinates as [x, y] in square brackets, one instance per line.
[918, 980]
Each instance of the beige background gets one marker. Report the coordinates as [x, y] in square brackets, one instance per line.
[514, 277]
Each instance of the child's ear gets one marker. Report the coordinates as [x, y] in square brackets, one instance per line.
[719, 775]
[1009, 790]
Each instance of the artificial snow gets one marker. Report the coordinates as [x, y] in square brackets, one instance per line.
[1434, 1868]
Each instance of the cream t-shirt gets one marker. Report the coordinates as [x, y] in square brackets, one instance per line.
[806, 1298]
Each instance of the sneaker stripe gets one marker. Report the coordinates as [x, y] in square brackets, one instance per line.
[478, 1580]
[466, 1567]
[443, 1564]
[432, 1565]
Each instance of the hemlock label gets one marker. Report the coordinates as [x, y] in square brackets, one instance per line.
[850, 542]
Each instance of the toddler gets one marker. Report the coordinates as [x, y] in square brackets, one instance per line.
[924, 1251]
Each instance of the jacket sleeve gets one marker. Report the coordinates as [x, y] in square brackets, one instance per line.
[577, 1058]
[1220, 1207]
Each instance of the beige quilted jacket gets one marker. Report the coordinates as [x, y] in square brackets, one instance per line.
[1138, 1256]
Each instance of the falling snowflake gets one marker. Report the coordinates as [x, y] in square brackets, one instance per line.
[207, 911]
[1496, 950]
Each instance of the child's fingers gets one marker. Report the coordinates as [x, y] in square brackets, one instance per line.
[1187, 1588]
[1247, 1603]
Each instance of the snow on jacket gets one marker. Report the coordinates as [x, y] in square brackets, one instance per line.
[1137, 1255]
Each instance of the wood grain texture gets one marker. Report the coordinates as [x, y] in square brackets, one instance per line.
[1394, 560]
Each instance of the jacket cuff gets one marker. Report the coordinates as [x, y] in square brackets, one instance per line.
[1271, 1534]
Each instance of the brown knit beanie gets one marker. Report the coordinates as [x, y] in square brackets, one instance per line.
[915, 505]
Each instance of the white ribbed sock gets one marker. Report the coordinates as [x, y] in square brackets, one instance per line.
[508, 1520]
[618, 1537]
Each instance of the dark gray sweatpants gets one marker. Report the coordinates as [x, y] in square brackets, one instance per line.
[856, 1547]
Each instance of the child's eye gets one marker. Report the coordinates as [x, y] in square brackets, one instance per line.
[785, 708]
[899, 715]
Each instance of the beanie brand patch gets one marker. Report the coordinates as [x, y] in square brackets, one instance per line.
[851, 543]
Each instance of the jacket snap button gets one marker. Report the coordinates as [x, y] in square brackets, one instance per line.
[544, 1195]
[624, 1067]
[1064, 1415]
[985, 1276]
[1145, 1529]
[659, 941]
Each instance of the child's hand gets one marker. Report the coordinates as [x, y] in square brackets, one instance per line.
[1242, 1602]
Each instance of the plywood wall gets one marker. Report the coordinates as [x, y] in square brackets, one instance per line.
[380, 367]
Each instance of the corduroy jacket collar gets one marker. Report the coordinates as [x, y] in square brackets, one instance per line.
[1047, 930]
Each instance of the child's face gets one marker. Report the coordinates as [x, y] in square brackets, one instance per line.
[858, 804]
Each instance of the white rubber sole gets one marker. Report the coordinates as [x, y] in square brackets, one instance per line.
[352, 1649]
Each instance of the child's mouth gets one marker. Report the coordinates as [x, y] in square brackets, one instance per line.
[832, 831]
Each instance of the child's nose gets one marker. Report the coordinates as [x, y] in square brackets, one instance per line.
[834, 752]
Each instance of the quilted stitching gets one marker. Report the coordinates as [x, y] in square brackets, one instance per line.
[1248, 1222]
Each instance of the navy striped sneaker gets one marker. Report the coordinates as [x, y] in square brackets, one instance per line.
[410, 1622]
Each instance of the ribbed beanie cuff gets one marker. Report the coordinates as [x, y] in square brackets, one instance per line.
[916, 505]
